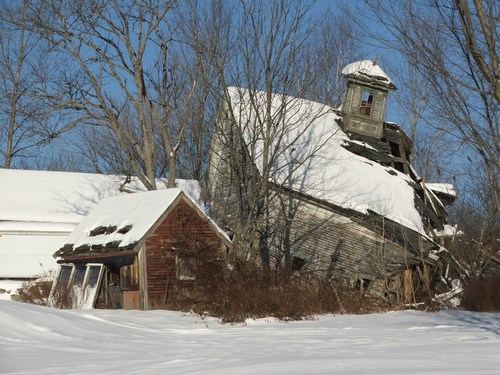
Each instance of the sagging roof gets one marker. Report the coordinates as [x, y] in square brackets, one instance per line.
[311, 158]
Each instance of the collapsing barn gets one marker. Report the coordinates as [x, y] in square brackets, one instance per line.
[136, 251]
[324, 191]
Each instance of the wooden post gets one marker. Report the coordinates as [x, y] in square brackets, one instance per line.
[408, 285]
[143, 277]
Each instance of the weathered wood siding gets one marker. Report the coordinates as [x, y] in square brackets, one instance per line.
[328, 241]
[181, 229]
[332, 243]
[232, 176]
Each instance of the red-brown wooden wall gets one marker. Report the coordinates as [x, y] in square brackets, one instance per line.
[162, 247]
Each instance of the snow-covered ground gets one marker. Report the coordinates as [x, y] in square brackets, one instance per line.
[40, 340]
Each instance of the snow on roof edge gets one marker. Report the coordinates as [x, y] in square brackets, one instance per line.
[35, 227]
[367, 69]
[444, 188]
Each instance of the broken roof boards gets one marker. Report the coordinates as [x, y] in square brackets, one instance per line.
[318, 165]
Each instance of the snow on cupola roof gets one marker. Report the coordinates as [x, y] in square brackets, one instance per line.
[368, 71]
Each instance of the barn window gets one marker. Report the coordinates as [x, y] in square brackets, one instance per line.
[186, 268]
[78, 275]
[298, 263]
[94, 273]
[363, 284]
[395, 151]
[366, 103]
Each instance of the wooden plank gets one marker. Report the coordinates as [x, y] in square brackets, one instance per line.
[131, 300]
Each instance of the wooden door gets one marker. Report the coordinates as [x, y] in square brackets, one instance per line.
[131, 300]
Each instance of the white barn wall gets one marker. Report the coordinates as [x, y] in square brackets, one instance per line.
[26, 256]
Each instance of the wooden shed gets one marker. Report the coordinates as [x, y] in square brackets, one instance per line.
[137, 252]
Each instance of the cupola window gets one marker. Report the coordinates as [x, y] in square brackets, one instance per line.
[366, 103]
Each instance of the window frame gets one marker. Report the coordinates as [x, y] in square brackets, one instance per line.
[364, 283]
[366, 105]
[82, 298]
[183, 264]
[60, 274]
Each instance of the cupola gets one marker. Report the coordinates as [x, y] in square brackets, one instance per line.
[365, 100]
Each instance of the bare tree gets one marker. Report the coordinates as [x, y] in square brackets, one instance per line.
[333, 46]
[101, 151]
[454, 47]
[122, 73]
[264, 124]
[196, 38]
[431, 156]
[204, 32]
[29, 121]
[475, 245]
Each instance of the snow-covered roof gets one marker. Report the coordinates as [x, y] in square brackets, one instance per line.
[125, 220]
[44, 201]
[130, 216]
[367, 69]
[311, 159]
[443, 188]
[448, 231]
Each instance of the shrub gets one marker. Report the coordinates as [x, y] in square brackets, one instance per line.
[239, 290]
[37, 292]
[482, 295]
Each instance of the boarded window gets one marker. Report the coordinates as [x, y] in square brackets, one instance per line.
[186, 268]
[356, 98]
[129, 276]
[378, 106]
